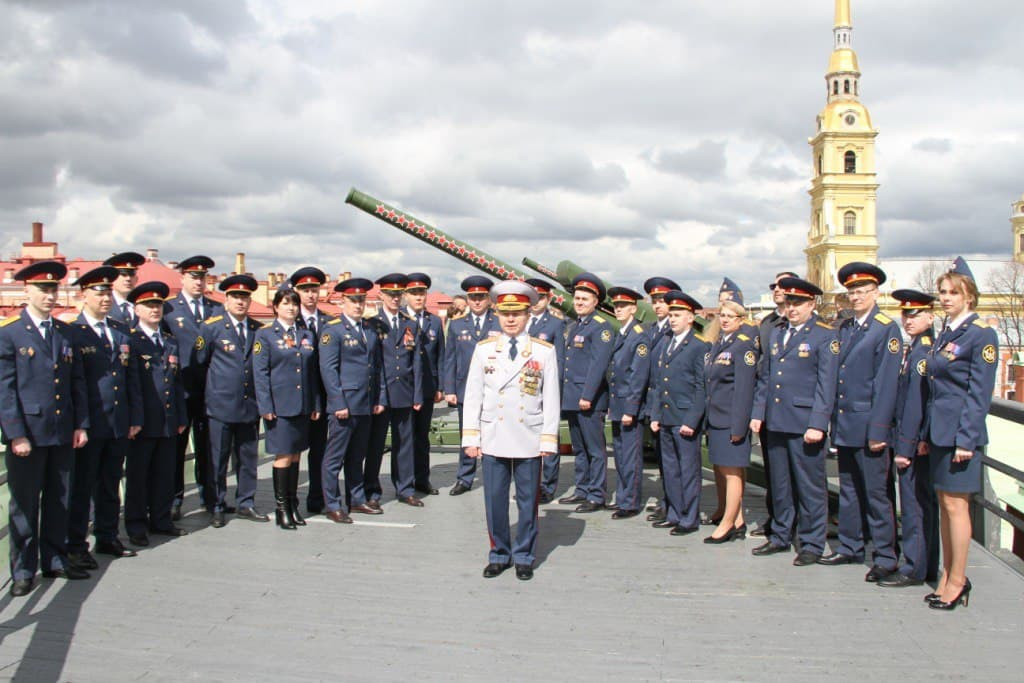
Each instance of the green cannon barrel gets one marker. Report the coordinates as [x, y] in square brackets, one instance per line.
[566, 271]
[439, 239]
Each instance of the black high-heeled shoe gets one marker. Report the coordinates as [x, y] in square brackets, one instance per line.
[931, 596]
[733, 534]
[961, 599]
[741, 531]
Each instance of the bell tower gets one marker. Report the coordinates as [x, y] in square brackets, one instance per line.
[1017, 224]
[844, 184]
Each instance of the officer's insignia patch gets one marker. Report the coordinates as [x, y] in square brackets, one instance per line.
[749, 358]
[257, 348]
[926, 341]
[988, 354]
[894, 345]
[200, 343]
[606, 335]
[325, 339]
[641, 350]
[922, 367]
[834, 347]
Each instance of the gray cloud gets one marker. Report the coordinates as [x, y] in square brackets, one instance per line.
[936, 145]
[704, 162]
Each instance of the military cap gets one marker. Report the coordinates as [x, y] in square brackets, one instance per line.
[353, 287]
[238, 284]
[417, 281]
[308, 276]
[659, 285]
[624, 294]
[97, 278]
[961, 268]
[734, 291]
[42, 272]
[195, 264]
[912, 300]
[477, 284]
[859, 273]
[589, 282]
[680, 301]
[392, 282]
[798, 287]
[154, 290]
[128, 260]
[542, 286]
[513, 295]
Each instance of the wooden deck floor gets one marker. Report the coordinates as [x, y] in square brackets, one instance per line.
[402, 598]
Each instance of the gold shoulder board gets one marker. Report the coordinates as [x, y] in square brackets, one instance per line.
[926, 341]
[541, 342]
[743, 337]
[216, 318]
[883, 318]
[8, 321]
[821, 324]
[980, 323]
[598, 319]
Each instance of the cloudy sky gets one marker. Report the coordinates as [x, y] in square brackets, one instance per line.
[656, 137]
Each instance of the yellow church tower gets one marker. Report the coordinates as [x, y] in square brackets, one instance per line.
[844, 188]
[1017, 223]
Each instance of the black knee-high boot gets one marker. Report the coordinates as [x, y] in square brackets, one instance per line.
[293, 494]
[282, 515]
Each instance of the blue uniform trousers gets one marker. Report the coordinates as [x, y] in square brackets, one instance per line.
[766, 523]
[919, 520]
[235, 442]
[498, 474]
[628, 446]
[421, 443]
[586, 430]
[149, 485]
[347, 441]
[379, 425]
[402, 451]
[549, 475]
[199, 429]
[864, 504]
[38, 510]
[97, 477]
[467, 465]
[680, 462]
[315, 462]
[799, 496]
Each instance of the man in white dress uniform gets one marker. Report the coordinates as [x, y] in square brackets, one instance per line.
[510, 419]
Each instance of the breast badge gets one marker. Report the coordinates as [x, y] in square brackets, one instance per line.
[529, 378]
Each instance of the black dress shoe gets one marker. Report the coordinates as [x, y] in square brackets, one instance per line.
[656, 517]
[544, 498]
[663, 524]
[877, 573]
[495, 569]
[625, 514]
[458, 489]
[113, 548]
[653, 507]
[412, 501]
[373, 503]
[253, 514]
[338, 516]
[70, 572]
[524, 572]
[365, 509]
[218, 520]
[172, 531]
[427, 490]
[21, 587]
[143, 541]
[837, 559]
[176, 512]
[588, 506]
[573, 499]
[705, 520]
[683, 530]
[759, 531]
[83, 560]
[612, 506]
[769, 548]
[898, 580]
[806, 557]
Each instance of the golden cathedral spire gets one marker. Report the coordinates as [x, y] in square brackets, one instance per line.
[843, 14]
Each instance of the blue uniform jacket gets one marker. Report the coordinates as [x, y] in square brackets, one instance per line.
[158, 393]
[961, 379]
[403, 367]
[458, 349]
[796, 390]
[286, 372]
[657, 337]
[731, 375]
[230, 391]
[869, 371]
[912, 397]
[42, 386]
[350, 366]
[179, 320]
[628, 372]
[431, 355]
[677, 392]
[107, 370]
[117, 314]
[589, 344]
[322, 319]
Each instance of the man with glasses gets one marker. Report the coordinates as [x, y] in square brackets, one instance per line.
[547, 327]
[183, 316]
[868, 377]
[796, 392]
[127, 265]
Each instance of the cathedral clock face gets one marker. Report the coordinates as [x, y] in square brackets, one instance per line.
[850, 119]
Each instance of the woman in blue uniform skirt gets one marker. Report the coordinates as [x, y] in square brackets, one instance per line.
[730, 372]
[285, 372]
[961, 374]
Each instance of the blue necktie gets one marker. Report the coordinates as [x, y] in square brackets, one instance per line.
[512, 348]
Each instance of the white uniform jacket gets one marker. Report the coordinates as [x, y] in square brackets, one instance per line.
[512, 407]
